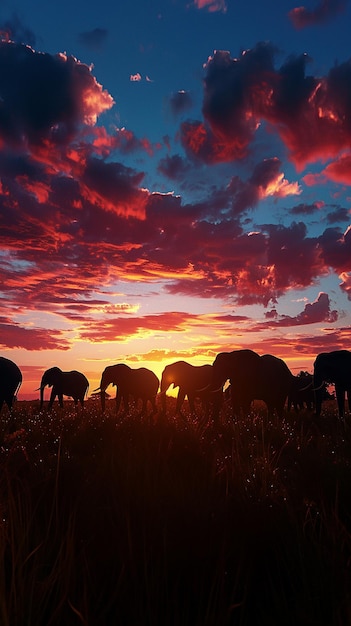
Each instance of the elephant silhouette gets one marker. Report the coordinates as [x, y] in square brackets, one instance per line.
[141, 383]
[253, 377]
[73, 384]
[333, 367]
[301, 392]
[10, 381]
[194, 381]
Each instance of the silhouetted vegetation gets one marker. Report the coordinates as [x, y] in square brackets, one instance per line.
[128, 521]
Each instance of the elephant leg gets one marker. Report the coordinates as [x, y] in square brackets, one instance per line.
[143, 406]
[180, 400]
[52, 397]
[340, 396]
[349, 398]
[191, 399]
[153, 404]
[118, 401]
[280, 408]
[126, 403]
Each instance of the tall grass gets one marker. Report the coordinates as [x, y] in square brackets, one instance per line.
[107, 521]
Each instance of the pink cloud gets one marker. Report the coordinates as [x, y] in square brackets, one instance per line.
[15, 336]
[346, 283]
[314, 312]
[324, 11]
[211, 5]
[310, 114]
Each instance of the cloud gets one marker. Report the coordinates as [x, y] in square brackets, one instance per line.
[211, 5]
[13, 29]
[15, 336]
[335, 248]
[94, 39]
[314, 312]
[48, 98]
[324, 11]
[346, 283]
[339, 171]
[180, 102]
[307, 209]
[339, 214]
[308, 113]
[75, 218]
[174, 167]
[121, 328]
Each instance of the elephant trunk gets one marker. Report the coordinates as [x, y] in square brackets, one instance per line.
[163, 389]
[318, 384]
[103, 398]
[41, 395]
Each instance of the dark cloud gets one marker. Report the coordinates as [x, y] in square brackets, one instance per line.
[310, 114]
[174, 167]
[94, 39]
[335, 249]
[324, 11]
[314, 312]
[339, 214]
[15, 30]
[180, 102]
[45, 97]
[306, 209]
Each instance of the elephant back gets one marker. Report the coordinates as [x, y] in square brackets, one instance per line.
[10, 373]
[275, 374]
[74, 384]
[145, 382]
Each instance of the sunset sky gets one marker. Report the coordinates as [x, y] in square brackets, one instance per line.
[174, 181]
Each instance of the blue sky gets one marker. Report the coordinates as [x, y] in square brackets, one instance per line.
[175, 181]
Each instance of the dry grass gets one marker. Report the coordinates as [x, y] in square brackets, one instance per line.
[124, 522]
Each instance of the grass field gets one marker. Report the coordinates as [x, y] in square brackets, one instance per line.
[108, 522]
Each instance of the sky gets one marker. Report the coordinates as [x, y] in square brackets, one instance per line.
[174, 182]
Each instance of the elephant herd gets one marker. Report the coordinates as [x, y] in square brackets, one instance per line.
[251, 377]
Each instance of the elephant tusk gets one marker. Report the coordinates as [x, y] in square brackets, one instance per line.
[203, 389]
[318, 388]
[97, 389]
[37, 389]
[308, 387]
[217, 390]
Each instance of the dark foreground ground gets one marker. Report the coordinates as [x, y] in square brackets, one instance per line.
[108, 522]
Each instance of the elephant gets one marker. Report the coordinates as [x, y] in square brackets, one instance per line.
[10, 381]
[194, 381]
[333, 367]
[301, 393]
[141, 383]
[73, 384]
[253, 377]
